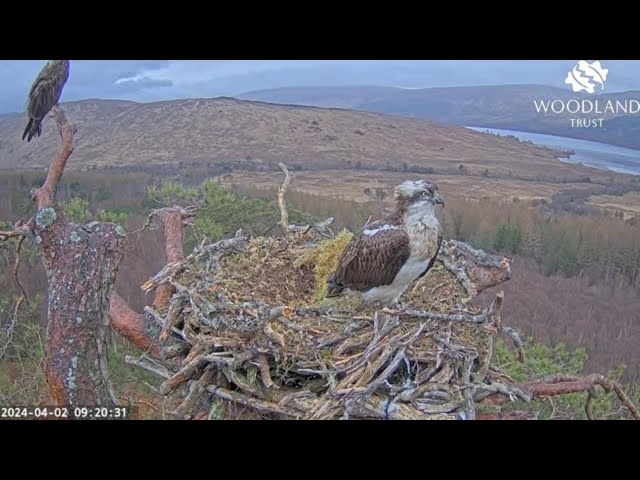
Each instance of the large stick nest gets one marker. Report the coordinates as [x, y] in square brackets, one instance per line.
[248, 324]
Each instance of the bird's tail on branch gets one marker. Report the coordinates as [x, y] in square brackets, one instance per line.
[34, 128]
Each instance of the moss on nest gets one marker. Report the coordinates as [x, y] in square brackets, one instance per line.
[324, 260]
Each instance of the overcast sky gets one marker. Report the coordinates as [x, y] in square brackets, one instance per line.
[151, 80]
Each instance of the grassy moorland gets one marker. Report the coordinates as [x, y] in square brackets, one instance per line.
[500, 106]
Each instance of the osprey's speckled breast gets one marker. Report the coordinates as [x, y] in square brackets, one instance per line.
[425, 232]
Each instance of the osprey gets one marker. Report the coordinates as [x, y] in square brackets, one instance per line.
[384, 258]
[44, 95]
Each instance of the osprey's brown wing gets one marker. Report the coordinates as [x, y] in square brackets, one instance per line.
[369, 261]
[44, 95]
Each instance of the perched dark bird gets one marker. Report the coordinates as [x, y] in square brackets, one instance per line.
[44, 95]
[385, 257]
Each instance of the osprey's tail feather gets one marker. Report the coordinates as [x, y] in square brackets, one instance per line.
[334, 288]
[26, 130]
[34, 128]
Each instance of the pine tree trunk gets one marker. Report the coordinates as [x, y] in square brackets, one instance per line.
[81, 262]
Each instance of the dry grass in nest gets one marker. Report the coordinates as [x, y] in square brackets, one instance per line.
[266, 272]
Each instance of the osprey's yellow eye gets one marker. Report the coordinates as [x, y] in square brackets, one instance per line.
[425, 194]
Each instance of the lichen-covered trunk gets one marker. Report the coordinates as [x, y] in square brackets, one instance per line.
[81, 262]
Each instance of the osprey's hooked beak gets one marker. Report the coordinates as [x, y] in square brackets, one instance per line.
[437, 199]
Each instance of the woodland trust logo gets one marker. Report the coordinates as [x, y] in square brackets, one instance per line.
[584, 78]
[585, 75]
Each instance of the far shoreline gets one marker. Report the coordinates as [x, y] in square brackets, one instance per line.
[601, 156]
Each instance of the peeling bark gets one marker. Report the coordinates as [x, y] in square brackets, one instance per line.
[171, 219]
[45, 195]
[132, 325]
[81, 265]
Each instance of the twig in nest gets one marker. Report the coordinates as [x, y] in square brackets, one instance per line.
[149, 365]
[517, 341]
[261, 406]
[146, 404]
[468, 364]
[242, 382]
[349, 332]
[477, 319]
[468, 394]
[513, 392]
[175, 307]
[301, 394]
[263, 363]
[436, 288]
[491, 313]
[273, 335]
[196, 390]
[459, 273]
[217, 250]
[386, 373]
[496, 373]
[182, 376]
[197, 350]
[374, 346]
[427, 375]
[173, 351]
[284, 215]
[154, 315]
[323, 228]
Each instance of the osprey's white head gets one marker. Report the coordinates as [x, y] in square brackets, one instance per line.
[417, 195]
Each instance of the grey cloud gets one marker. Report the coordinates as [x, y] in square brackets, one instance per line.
[152, 80]
[129, 85]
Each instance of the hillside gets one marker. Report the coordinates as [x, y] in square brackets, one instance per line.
[255, 135]
[501, 106]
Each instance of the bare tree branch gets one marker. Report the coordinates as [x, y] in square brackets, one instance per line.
[45, 195]
[282, 191]
[561, 384]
